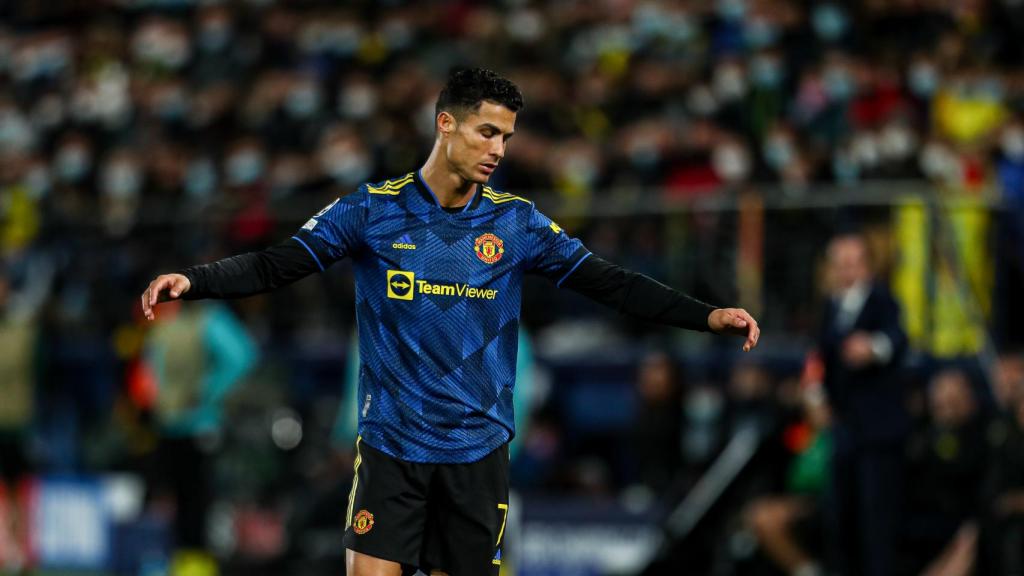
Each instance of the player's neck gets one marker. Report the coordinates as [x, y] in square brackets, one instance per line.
[450, 189]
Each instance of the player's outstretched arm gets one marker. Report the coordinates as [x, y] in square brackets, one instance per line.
[643, 297]
[234, 277]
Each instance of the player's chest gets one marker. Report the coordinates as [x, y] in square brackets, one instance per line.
[448, 246]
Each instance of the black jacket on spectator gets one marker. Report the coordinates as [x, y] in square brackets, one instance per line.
[868, 404]
[865, 495]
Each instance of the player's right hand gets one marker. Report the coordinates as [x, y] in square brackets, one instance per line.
[165, 287]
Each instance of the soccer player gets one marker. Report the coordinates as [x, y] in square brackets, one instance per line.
[439, 259]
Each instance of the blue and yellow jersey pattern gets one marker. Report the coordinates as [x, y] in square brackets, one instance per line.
[437, 305]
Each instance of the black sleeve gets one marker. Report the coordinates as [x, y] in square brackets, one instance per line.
[637, 295]
[251, 273]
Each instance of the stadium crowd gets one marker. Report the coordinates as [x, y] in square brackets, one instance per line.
[144, 135]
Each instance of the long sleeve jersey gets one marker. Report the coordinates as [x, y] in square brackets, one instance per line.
[438, 294]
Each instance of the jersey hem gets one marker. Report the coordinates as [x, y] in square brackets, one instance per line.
[475, 455]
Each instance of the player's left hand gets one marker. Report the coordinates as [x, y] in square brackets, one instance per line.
[735, 321]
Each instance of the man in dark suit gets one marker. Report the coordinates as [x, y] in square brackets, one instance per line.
[862, 346]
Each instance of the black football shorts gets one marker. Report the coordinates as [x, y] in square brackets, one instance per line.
[447, 517]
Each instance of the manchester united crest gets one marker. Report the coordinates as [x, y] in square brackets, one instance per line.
[363, 522]
[489, 248]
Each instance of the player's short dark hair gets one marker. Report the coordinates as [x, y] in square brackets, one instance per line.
[468, 87]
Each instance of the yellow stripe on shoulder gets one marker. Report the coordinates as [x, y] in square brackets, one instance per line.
[501, 197]
[392, 187]
[503, 200]
[493, 192]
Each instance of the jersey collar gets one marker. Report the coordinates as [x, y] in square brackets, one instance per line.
[429, 196]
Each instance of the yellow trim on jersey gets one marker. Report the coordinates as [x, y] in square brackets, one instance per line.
[391, 187]
[355, 482]
[501, 197]
[503, 200]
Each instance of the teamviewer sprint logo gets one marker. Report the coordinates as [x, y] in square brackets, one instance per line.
[400, 284]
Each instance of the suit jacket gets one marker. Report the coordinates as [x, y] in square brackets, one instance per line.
[868, 404]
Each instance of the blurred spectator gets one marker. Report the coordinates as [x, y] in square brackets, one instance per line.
[1001, 549]
[751, 402]
[788, 526]
[18, 377]
[24, 285]
[862, 346]
[1008, 382]
[704, 407]
[657, 432]
[197, 354]
[946, 462]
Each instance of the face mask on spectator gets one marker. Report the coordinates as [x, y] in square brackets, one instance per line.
[581, 169]
[302, 101]
[765, 72]
[829, 22]
[896, 143]
[45, 61]
[844, 167]
[729, 82]
[923, 79]
[200, 179]
[650, 21]
[990, 88]
[1012, 144]
[162, 47]
[653, 21]
[15, 133]
[346, 168]
[682, 27]
[397, 34]
[244, 167]
[172, 106]
[937, 162]
[214, 36]
[121, 180]
[342, 40]
[864, 149]
[644, 153]
[703, 407]
[72, 163]
[48, 112]
[730, 162]
[838, 83]
[285, 177]
[37, 180]
[778, 152]
[731, 10]
[701, 101]
[759, 33]
[357, 102]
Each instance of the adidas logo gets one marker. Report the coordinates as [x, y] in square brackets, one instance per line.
[404, 243]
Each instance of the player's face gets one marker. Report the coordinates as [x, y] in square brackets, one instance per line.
[476, 143]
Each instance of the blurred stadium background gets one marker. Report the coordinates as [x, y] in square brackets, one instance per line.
[716, 146]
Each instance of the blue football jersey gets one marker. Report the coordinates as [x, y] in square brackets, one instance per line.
[437, 305]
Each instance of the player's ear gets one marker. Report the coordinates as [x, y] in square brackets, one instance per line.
[446, 123]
